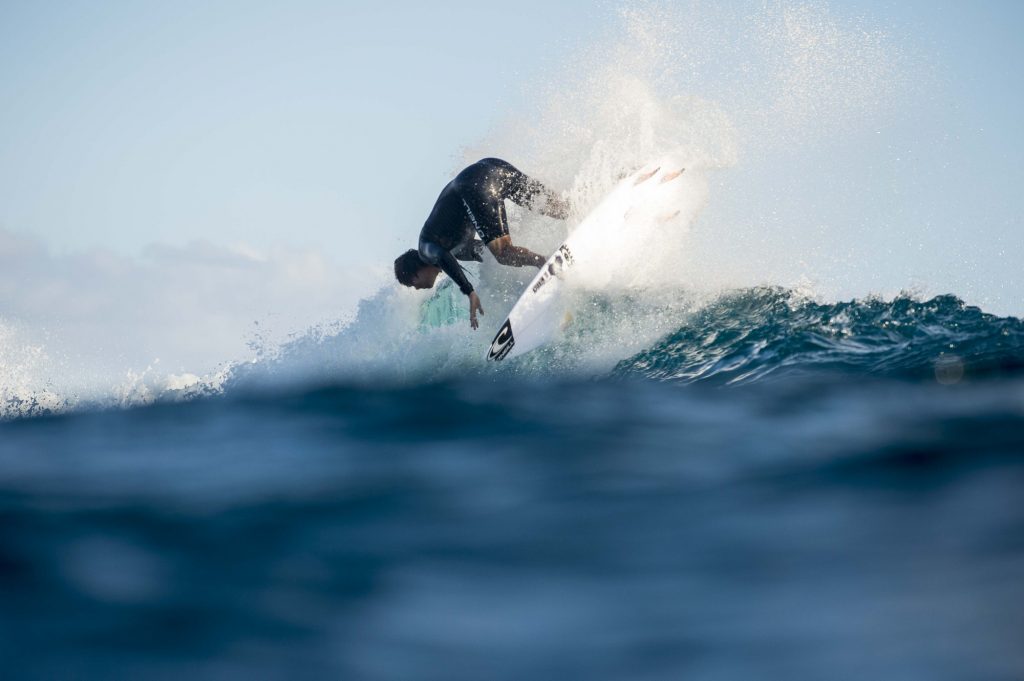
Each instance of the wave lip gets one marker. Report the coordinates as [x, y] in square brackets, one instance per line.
[751, 334]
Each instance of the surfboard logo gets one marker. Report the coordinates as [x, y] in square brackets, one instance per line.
[503, 342]
[472, 218]
[561, 260]
[566, 253]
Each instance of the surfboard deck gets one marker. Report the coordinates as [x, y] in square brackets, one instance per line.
[537, 317]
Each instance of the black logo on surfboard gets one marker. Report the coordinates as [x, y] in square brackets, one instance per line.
[503, 342]
[561, 260]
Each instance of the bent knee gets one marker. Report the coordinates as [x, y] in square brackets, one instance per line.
[499, 247]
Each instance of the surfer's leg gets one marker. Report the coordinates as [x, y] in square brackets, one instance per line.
[487, 213]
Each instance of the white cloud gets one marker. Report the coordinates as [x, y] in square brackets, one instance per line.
[97, 316]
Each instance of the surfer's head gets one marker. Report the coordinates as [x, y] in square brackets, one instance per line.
[410, 270]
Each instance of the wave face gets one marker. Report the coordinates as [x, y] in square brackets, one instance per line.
[754, 334]
[739, 337]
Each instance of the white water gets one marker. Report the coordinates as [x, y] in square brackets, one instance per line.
[100, 328]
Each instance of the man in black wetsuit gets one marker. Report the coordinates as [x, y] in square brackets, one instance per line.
[474, 204]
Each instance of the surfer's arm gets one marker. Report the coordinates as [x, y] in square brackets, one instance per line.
[450, 266]
[515, 256]
[437, 256]
[474, 307]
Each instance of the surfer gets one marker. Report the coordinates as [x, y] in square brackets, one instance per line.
[473, 204]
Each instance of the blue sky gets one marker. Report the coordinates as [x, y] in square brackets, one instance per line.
[128, 123]
[332, 126]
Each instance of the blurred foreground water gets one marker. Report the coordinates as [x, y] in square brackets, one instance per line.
[803, 528]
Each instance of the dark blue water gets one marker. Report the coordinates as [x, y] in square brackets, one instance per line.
[779, 489]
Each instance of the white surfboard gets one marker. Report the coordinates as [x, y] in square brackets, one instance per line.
[535, 319]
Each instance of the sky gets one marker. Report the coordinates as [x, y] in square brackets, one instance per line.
[330, 124]
[311, 123]
[193, 141]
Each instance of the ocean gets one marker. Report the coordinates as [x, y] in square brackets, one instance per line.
[779, 433]
[776, 488]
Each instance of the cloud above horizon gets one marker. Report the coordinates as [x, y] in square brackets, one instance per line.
[90, 315]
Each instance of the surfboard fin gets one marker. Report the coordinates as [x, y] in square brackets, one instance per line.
[646, 176]
[671, 176]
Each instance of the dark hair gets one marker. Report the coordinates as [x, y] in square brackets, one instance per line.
[407, 265]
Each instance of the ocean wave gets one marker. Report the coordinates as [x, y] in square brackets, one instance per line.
[677, 335]
[752, 334]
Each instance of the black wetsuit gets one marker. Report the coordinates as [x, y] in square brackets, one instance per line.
[474, 204]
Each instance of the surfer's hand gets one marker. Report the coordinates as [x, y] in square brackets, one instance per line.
[474, 307]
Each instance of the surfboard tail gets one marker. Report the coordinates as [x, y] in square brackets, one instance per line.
[536, 314]
[503, 342]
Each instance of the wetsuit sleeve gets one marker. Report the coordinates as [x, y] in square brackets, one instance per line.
[433, 254]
